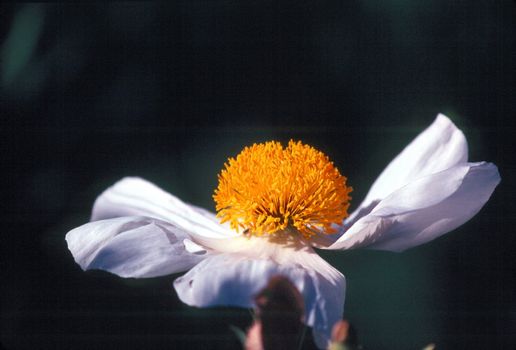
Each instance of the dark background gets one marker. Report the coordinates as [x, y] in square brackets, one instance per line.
[91, 93]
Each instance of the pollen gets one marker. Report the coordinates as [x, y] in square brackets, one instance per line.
[268, 189]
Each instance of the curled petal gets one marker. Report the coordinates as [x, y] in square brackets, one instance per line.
[132, 247]
[441, 146]
[424, 209]
[134, 196]
[233, 279]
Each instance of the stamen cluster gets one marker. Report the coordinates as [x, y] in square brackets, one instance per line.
[268, 189]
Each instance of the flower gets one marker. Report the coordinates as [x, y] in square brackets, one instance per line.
[138, 230]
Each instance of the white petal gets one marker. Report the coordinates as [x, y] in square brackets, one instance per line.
[135, 196]
[131, 247]
[208, 215]
[192, 247]
[439, 147]
[232, 279]
[424, 209]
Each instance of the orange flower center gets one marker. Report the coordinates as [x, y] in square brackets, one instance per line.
[268, 189]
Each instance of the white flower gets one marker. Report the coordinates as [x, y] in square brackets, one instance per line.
[139, 230]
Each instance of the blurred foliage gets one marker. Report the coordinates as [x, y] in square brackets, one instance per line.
[21, 42]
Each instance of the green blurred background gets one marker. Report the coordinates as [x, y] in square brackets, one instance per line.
[91, 93]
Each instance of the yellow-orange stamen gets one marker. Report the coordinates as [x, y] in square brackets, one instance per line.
[269, 189]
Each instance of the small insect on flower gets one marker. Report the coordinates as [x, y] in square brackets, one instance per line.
[276, 203]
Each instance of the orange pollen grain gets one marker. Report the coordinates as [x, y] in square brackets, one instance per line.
[268, 189]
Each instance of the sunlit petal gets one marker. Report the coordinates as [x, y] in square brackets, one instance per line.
[424, 209]
[234, 278]
[132, 247]
[135, 196]
[441, 146]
